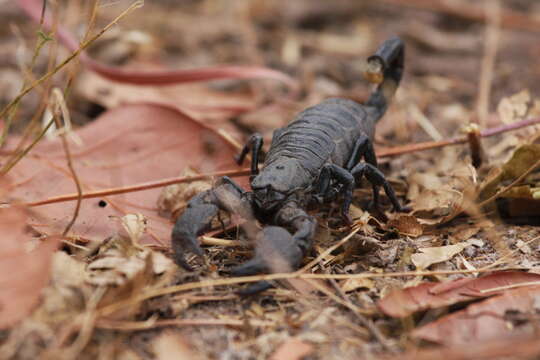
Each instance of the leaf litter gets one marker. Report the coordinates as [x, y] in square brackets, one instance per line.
[120, 147]
[99, 303]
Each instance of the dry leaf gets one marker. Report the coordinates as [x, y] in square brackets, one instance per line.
[402, 303]
[118, 263]
[433, 255]
[197, 100]
[23, 273]
[124, 269]
[523, 158]
[128, 145]
[514, 346]
[175, 197]
[406, 225]
[484, 321]
[135, 226]
[357, 283]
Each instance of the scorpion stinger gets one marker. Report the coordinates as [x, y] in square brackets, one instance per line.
[317, 156]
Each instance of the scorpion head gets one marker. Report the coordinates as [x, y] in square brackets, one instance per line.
[276, 182]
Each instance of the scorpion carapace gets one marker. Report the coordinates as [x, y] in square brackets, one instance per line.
[316, 156]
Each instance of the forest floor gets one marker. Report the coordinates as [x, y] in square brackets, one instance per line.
[170, 90]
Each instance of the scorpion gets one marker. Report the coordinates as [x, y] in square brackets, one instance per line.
[311, 160]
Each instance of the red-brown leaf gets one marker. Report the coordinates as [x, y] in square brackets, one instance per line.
[483, 321]
[127, 145]
[404, 302]
[512, 347]
[22, 273]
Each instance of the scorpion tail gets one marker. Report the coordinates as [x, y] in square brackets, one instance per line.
[386, 69]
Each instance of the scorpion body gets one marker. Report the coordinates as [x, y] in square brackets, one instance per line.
[317, 154]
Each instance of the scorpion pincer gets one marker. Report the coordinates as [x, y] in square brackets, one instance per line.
[312, 158]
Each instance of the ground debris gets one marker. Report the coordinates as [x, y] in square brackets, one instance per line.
[113, 292]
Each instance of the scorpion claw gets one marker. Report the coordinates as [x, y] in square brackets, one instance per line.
[275, 252]
[252, 267]
[196, 219]
[182, 245]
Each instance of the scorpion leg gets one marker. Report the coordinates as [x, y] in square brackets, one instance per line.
[362, 147]
[198, 216]
[254, 143]
[345, 178]
[377, 178]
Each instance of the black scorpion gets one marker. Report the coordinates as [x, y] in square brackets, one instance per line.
[311, 160]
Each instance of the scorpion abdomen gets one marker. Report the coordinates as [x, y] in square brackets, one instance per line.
[324, 133]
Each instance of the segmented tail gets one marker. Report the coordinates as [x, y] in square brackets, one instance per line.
[386, 69]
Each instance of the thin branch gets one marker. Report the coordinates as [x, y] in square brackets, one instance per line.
[120, 325]
[66, 61]
[139, 187]
[23, 153]
[60, 107]
[248, 279]
[398, 150]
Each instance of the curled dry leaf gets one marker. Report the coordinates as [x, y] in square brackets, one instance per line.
[124, 269]
[131, 144]
[197, 100]
[401, 303]
[431, 198]
[406, 225]
[523, 158]
[23, 273]
[358, 283]
[440, 193]
[135, 226]
[487, 320]
[174, 198]
[119, 263]
[432, 255]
